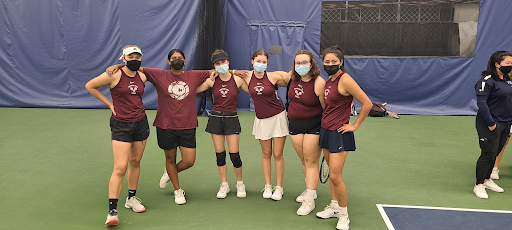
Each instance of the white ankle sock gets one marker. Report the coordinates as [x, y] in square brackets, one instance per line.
[239, 182]
[310, 194]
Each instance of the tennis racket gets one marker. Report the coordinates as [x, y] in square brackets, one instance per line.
[390, 113]
[324, 171]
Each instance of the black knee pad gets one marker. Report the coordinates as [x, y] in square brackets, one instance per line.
[235, 159]
[221, 159]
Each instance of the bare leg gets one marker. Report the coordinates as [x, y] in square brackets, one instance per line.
[121, 152]
[233, 145]
[188, 158]
[218, 144]
[170, 166]
[134, 170]
[311, 158]
[337, 161]
[331, 187]
[297, 142]
[498, 158]
[278, 143]
[266, 160]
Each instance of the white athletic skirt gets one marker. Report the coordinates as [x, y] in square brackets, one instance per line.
[275, 126]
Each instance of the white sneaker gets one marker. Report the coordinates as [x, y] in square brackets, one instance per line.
[267, 191]
[343, 222]
[278, 193]
[480, 192]
[493, 186]
[179, 196]
[165, 179]
[302, 196]
[135, 204]
[329, 211]
[223, 191]
[112, 219]
[306, 207]
[240, 191]
[495, 174]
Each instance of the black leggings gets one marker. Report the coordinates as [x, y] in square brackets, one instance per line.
[491, 144]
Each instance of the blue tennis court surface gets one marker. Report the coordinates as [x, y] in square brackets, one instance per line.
[401, 217]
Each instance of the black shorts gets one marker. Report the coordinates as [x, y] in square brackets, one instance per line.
[311, 126]
[170, 139]
[129, 131]
[336, 142]
[223, 123]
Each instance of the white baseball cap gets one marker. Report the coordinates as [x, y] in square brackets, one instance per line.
[130, 50]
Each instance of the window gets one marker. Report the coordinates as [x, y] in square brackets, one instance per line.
[401, 27]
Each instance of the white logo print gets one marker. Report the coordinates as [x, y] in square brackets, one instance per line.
[178, 90]
[133, 88]
[298, 91]
[326, 92]
[259, 88]
[483, 86]
[224, 91]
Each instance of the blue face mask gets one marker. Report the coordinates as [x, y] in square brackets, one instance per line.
[222, 69]
[260, 67]
[302, 70]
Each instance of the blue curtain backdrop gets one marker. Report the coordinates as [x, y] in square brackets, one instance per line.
[51, 48]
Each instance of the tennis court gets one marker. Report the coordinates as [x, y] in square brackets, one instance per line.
[56, 164]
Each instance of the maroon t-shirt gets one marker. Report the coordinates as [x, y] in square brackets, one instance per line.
[263, 93]
[127, 98]
[304, 103]
[337, 106]
[225, 95]
[176, 97]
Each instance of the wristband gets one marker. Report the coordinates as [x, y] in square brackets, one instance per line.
[234, 71]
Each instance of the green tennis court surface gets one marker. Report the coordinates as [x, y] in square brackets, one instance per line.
[55, 165]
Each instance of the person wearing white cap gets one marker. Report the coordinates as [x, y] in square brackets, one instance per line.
[176, 119]
[129, 127]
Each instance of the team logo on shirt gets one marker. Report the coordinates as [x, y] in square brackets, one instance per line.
[178, 90]
[299, 91]
[133, 88]
[259, 88]
[223, 91]
[326, 92]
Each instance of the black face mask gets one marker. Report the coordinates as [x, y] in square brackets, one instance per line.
[505, 69]
[177, 64]
[331, 69]
[133, 65]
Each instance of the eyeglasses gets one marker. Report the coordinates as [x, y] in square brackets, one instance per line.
[302, 63]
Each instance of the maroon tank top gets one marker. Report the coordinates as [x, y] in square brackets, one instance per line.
[225, 95]
[127, 98]
[304, 103]
[263, 93]
[337, 106]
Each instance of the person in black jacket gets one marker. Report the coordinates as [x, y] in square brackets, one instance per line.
[494, 117]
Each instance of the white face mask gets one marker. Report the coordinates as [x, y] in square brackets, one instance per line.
[222, 69]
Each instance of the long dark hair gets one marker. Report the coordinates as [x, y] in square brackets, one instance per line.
[496, 57]
[314, 71]
[336, 50]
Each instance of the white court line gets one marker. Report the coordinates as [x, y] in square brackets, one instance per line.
[390, 225]
[385, 217]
